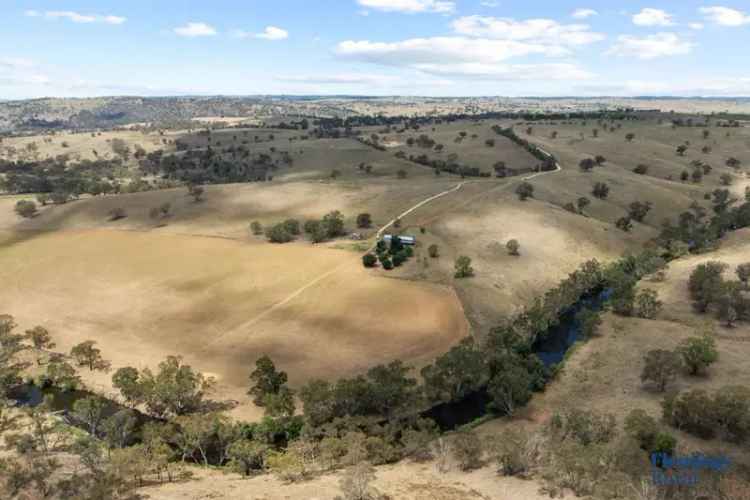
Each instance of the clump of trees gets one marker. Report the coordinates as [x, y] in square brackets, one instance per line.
[710, 292]
[394, 254]
[330, 226]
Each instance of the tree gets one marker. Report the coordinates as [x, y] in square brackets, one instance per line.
[127, 381]
[11, 346]
[601, 190]
[292, 226]
[364, 220]
[638, 210]
[644, 428]
[196, 192]
[698, 353]
[333, 224]
[589, 321]
[641, 169]
[510, 385]
[86, 354]
[246, 456]
[647, 304]
[256, 228]
[706, 285]
[369, 260]
[629, 136]
[743, 273]
[26, 209]
[661, 368]
[279, 404]
[433, 251]
[40, 338]
[525, 190]
[463, 267]
[119, 429]
[513, 246]
[582, 203]
[733, 162]
[587, 164]
[279, 233]
[681, 149]
[467, 448]
[175, 389]
[624, 224]
[265, 380]
[90, 411]
[455, 374]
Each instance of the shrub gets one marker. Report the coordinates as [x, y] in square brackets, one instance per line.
[525, 190]
[516, 452]
[589, 321]
[624, 224]
[256, 228]
[467, 449]
[292, 226]
[433, 251]
[513, 247]
[645, 429]
[647, 304]
[698, 353]
[601, 190]
[26, 208]
[463, 267]
[369, 260]
[691, 411]
[660, 367]
[364, 220]
[278, 233]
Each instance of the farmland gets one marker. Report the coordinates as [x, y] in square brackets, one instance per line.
[194, 280]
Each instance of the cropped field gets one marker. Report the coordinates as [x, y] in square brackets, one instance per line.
[222, 304]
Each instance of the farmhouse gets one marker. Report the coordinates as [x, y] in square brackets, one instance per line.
[406, 240]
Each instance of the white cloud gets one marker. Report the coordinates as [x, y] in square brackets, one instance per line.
[480, 71]
[489, 3]
[441, 50]
[584, 13]
[195, 29]
[725, 16]
[70, 15]
[653, 17]
[695, 26]
[410, 6]
[273, 33]
[76, 17]
[651, 46]
[482, 59]
[543, 31]
[114, 19]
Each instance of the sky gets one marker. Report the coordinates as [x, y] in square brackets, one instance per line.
[73, 48]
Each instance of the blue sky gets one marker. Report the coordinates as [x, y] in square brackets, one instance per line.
[374, 47]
